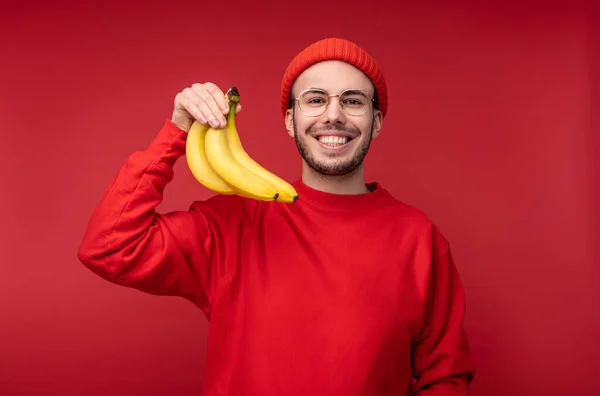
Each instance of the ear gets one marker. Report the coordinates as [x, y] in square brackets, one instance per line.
[377, 122]
[289, 122]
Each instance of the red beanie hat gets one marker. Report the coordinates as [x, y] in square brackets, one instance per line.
[334, 49]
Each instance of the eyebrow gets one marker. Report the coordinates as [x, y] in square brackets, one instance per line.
[350, 91]
[356, 91]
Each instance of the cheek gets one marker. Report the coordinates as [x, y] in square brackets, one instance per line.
[366, 126]
[302, 126]
[367, 131]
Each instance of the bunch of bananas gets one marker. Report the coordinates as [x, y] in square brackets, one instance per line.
[219, 162]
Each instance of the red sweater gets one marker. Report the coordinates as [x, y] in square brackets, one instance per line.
[332, 295]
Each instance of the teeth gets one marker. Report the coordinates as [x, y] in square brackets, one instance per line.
[333, 140]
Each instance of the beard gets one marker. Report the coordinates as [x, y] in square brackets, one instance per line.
[331, 167]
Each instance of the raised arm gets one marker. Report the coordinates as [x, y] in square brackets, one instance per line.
[127, 242]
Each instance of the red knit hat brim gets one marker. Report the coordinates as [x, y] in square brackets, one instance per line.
[334, 49]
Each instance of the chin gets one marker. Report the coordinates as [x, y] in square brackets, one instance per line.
[337, 159]
[332, 167]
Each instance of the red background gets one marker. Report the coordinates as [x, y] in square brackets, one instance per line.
[493, 111]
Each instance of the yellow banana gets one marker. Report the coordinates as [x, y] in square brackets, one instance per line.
[197, 162]
[287, 193]
[221, 159]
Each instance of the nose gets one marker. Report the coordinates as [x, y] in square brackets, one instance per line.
[334, 112]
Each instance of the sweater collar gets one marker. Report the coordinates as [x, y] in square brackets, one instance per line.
[342, 202]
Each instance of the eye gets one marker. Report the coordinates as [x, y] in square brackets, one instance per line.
[354, 101]
[314, 98]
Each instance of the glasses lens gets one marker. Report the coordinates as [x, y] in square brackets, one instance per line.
[313, 102]
[354, 102]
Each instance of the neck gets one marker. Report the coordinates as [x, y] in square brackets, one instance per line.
[352, 183]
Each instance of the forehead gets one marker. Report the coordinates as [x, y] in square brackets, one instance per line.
[332, 76]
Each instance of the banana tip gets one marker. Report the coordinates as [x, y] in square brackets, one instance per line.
[295, 198]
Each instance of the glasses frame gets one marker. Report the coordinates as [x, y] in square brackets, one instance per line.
[297, 100]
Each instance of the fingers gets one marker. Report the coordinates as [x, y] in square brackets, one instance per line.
[209, 115]
[219, 97]
[204, 102]
[189, 102]
[207, 104]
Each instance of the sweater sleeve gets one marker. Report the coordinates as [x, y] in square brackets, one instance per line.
[128, 243]
[442, 362]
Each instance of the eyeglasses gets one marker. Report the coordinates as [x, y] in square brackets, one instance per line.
[313, 102]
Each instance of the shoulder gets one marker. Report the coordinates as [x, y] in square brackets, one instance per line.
[222, 208]
[415, 222]
[218, 202]
[402, 210]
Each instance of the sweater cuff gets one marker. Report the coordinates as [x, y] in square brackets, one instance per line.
[168, 145]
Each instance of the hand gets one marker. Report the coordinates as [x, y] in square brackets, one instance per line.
[206, 103]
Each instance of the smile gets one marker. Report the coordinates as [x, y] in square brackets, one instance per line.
[333, 141]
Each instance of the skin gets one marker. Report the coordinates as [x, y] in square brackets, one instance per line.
[333, 170]
[206, 103]
[338, 171]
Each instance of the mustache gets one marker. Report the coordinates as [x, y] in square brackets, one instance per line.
[331, 127]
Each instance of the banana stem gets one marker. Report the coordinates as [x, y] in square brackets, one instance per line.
[234, 97]
[231, 114]
[233, 94]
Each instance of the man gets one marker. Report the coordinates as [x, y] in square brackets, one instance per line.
[346, 292]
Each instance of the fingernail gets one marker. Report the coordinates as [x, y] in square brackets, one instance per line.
[223, 122]
[214, 123]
